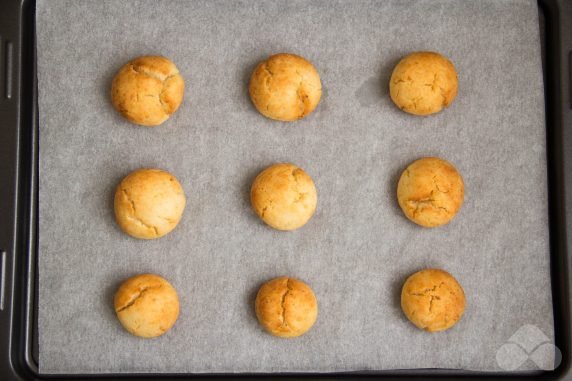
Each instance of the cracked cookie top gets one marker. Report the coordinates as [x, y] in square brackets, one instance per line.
[286, 307]
[430, 192]
[433, 300]
[146, 305]
[285, 87]
[147, 90]
[284, 196]
[149, 203]
[423, 83]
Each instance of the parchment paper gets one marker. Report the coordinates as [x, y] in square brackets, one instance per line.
[358, 248]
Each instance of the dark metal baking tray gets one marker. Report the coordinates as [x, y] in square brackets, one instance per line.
[19, 202]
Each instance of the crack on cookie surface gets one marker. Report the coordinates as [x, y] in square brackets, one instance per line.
[283, 306]
[133, 215]
[136, 297]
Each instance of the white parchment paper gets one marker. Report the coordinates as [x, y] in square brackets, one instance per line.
[358, 248]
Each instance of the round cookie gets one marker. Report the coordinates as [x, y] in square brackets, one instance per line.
[423, 83]
[285, 87]
[149, 203]
[430, 192]
[147, 90]
[146, 305]
[286, 307]
[284, 196]
[433, 300]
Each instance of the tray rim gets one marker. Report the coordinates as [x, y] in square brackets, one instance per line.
[18, 317]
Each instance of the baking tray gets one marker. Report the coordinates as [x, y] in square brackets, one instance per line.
[18, 196]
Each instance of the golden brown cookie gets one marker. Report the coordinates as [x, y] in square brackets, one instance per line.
[285, 87]
[147, 90]
[432, 300]
[423, 83]
[149, 203]
[430, 192]
[284, 196]
[286, 307]
[146, 305]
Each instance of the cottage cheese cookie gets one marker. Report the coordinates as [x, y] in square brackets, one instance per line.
[432, 300]
[149, 203]
[423, 83]
[286, 307]
[285, 87]
[147, 90]
[284, 196]
[146, 305]
[430, 192]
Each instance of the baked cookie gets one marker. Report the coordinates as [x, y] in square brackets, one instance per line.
[286, 307]
[285, 87]
[284, 196]
[149, 203]
[432, 300]
[146, 305]
[423, 83]
[430, 192]
[147, 90]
